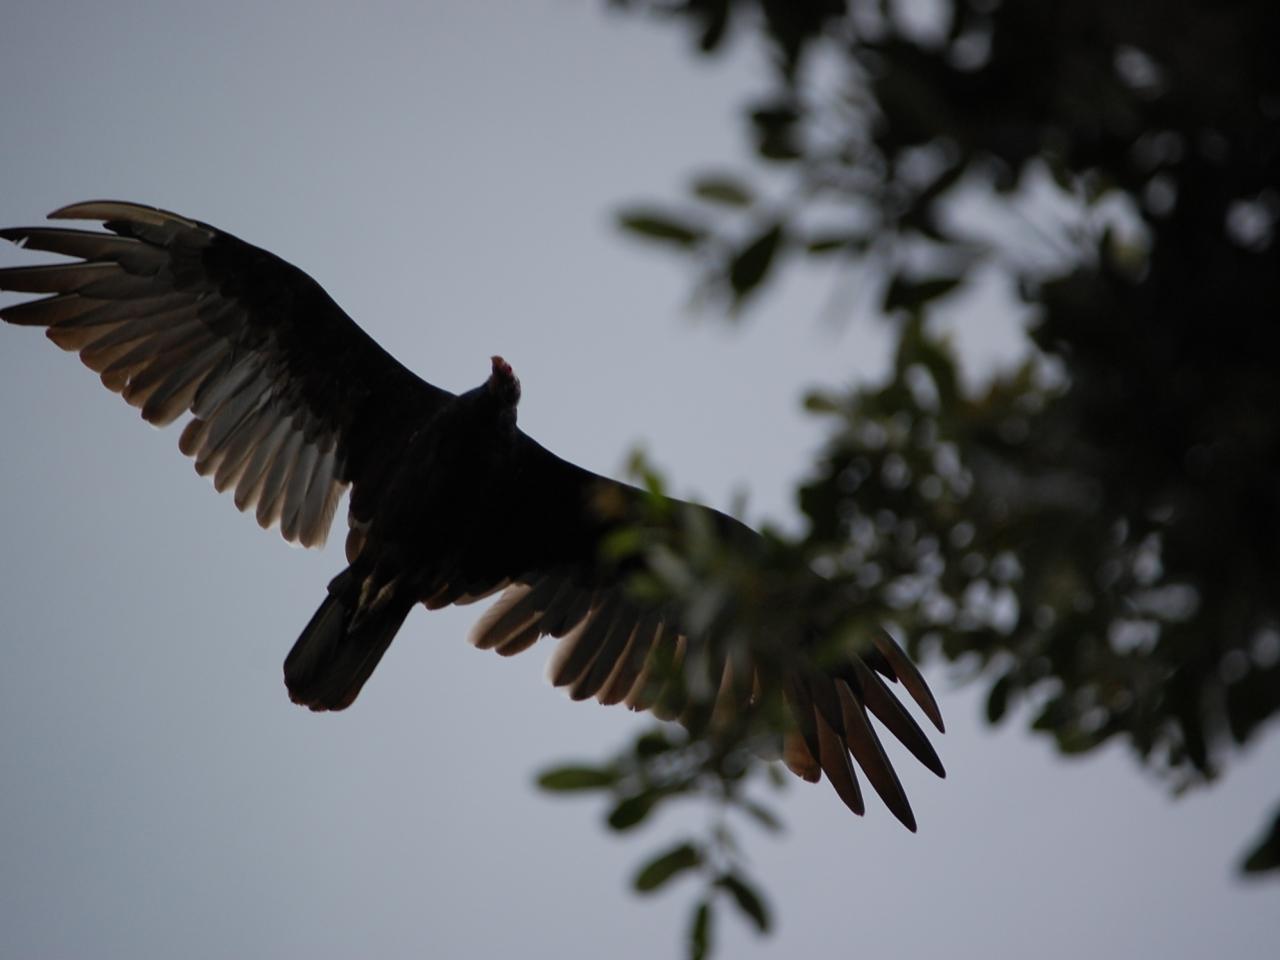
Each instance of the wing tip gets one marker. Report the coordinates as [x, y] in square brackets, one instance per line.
[104, 210]
[910, 677]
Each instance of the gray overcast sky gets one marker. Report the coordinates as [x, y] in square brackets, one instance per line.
[447, 170]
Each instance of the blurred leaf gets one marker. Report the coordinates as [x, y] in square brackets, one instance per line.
[652, 744]
[569, 778]
[749, 267]
[661, 227]
[775, 126]
[632, 810]
[1052, 715]
[627, 541]
[1251, 700]
[638, 465]
[820, 401]
[700, 931]
[1265, 855]
[715, 22]
[911, 295]
[748, 899]
[822, 243]
[662, 868]
[998, 698]
[922, 216]
[762, 815]
[941, 184]
[723, 189]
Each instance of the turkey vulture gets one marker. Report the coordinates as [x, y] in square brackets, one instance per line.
[292, 403]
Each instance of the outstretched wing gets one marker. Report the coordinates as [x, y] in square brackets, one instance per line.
[291, 400]
[548, 552]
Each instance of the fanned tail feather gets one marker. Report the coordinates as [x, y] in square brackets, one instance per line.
[340, 646]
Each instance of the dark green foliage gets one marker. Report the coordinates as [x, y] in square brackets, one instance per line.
[576, 778]
[1096, 532]
[913, 295]
[631, 810]
[700, 931]
[747, 898]
[661, 226]
[750, 265]
[1100, 529]
[723, 189]
[712, 766]
[665, 866]
[1266, 854]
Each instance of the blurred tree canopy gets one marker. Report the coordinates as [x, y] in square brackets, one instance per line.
[1096, 534]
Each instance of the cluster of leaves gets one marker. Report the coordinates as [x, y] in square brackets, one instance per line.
[1097, 533]
[755, 625]
[663, 765]
[711, 759]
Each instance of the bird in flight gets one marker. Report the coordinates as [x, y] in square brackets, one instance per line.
[291, 404]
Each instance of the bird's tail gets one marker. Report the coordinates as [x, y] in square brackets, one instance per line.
[342, 643]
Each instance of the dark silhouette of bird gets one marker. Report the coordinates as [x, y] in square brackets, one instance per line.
[291, 403]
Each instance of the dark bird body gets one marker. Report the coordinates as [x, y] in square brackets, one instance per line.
[292, 403]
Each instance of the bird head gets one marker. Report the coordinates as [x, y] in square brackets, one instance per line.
[503, 383]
